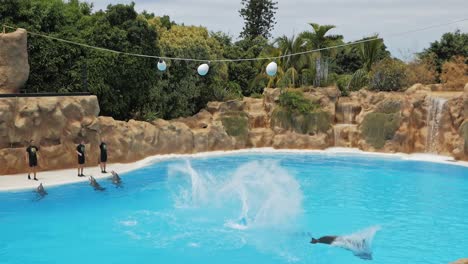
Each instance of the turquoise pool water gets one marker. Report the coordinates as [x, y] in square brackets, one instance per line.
[247, 208]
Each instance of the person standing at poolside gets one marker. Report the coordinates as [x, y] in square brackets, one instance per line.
[32, 154]
[103, 158]
[80, 150]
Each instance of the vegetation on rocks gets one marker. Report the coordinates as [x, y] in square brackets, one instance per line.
[236, 124]
[294, 101]
[381, 125]
[299, 114]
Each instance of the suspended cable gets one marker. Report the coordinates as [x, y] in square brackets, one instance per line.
[234, 60]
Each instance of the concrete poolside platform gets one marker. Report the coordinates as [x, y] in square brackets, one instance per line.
[18, 182]
[59, 177]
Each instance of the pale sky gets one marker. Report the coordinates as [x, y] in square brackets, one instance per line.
[354, 19]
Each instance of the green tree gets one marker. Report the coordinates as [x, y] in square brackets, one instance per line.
[388, 75]
[242, 73]
[291, 65]
[450, 45]
[185, 92]
[259, 17]
[319, 38]
[371, 52]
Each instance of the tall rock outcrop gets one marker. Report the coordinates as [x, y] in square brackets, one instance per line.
[14, 67]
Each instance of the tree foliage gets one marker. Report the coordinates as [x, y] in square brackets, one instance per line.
[454, 74]
[132, 87]
[450, 45]
[259, 18]
[388, 75]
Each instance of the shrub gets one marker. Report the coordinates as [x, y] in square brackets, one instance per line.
[389, 106]
[256, 95]
[421, 71]
[359, 80]
[342, 83]
[236, 124]
[294, 101]
[454, 74]
[388, 75]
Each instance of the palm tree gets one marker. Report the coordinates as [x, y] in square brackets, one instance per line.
[289, 67]
[292, 65]
[370, 51]
[262, 79]
[318, 39]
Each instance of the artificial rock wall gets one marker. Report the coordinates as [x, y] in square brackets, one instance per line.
[385, 122]
[14, 67]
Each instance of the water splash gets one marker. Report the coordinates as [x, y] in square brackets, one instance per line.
[360, 243]
[434, 118]
[260, 194]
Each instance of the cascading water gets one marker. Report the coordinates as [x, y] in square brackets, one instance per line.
[434, 116]
[261, 194]
[347, 113]
[339, 130]
[343, 132]
[360, 243]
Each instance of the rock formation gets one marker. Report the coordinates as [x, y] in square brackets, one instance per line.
[14, 67]
[460, 261]
[371, 121]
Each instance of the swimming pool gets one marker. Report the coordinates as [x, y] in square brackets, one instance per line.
[246, 208]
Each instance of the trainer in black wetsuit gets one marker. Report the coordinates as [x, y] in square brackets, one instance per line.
[80, 150]
[103, 159]
[32, 158]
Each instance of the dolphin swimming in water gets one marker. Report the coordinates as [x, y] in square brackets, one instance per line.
[95, 184]
[41, 191]
[360, 243]
[116, 179]
[324, 240]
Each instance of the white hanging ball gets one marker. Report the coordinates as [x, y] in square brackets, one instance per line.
[203, 69]
[162, 65]
[272, 68]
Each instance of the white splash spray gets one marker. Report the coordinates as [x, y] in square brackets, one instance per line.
[263, 192]
[360, 243]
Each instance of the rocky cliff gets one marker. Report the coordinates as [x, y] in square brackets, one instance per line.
[14, 67]
[417, 120]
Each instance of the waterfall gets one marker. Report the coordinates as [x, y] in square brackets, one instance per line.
[342, 134]
[347, 113]
[434, 117]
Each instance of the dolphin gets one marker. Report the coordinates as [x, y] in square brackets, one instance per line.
[95, 184]
[116, 179]
[324, 240]
[41, 191]
[360, 243]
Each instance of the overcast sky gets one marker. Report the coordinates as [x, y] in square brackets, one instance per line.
[354, 18]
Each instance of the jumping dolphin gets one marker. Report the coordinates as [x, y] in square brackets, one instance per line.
[41, 191]
[116, 179]
[95, 184]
